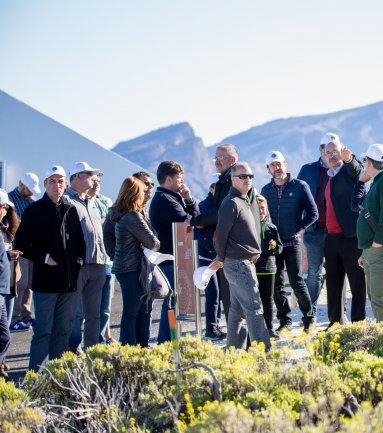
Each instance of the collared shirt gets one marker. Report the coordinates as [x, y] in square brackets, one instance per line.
[91, 226]
[331, 172]
[19, 201]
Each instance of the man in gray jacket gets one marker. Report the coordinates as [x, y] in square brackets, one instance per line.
[237, 248]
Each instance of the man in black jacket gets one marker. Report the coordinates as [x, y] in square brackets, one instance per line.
[341, 244]
[172, 202]
[50, 235]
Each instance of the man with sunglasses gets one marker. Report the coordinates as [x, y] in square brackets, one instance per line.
[292, 209]
[315, 175]
[237, 247]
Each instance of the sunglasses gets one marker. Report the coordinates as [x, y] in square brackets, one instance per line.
[244, 176]
[149, 184]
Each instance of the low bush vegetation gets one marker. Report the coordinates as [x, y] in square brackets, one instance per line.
[337, 387]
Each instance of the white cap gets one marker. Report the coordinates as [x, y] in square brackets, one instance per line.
[31, 181]
[328, 138]
[55, 169]
[375, 152]
[274, 156]
[4, 199]
[201, 277]
[81, 166]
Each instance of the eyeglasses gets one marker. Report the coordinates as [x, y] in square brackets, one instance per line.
[220, 158]
[244, 176]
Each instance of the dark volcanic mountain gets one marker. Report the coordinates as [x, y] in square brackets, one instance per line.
[176, 142]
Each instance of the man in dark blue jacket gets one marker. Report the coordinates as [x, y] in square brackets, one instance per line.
[315, 175]
[172, 202]
[292, 209]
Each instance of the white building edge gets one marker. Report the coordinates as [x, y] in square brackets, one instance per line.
[32, 141]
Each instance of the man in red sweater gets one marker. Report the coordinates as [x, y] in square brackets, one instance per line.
[341, 244]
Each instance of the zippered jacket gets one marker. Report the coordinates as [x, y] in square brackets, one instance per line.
[295, 211]
[54, 229]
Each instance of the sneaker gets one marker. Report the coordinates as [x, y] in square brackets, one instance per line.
[110, 341]
[273, 334]
[215, 334]
[30, 322]
[19, 326]
[284, 326]
[77, 351]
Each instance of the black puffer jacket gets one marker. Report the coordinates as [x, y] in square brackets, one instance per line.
[54, 229]
[266, 262]
[132, 232]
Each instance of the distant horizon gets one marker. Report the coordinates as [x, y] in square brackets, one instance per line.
[188, 122]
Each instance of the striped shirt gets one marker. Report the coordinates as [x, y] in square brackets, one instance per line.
[19, 201]
[91, 226]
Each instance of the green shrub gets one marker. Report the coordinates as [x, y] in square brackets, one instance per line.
[339, 342]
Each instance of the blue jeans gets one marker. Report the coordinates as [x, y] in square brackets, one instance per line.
[54, 313]
[291, 257]
[9, 305]
[168, 303]
[212, 309]
[5, 336]
[136, 314]
[314, 241]
[106, 304]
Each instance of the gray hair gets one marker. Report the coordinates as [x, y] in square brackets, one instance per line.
[230, 149]
[239, 166]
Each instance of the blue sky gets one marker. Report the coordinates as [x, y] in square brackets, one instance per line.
[113, 70]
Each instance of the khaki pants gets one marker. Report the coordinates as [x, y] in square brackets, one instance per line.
[23, 300]
[373, 268]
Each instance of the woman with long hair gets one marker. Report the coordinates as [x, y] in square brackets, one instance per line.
[8, 227]
[132, 233]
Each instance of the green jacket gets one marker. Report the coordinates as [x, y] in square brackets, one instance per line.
[374, 203]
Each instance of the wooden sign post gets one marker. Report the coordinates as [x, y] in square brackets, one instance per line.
[188, 300]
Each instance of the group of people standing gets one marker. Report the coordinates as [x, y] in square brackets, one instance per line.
[67, 247]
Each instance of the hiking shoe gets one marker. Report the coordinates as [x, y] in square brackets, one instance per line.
[215, 334]
[110, 341]
[273, 334]
[30, 322]
[76, 350]
[19, 326]
[283, 327]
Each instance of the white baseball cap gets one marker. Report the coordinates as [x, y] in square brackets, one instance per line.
[81, 166]
[274, 156]
[329, 137]
[31, 181]
[374, 152]
[4, 199]
[55, 169]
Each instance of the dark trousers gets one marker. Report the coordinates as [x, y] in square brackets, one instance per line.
[54, 314]
[164, 330]
[266, 290]
[291, 257]
[212, 307]
[136, 314]
[5, 336]
[341, 255]
[224, 292]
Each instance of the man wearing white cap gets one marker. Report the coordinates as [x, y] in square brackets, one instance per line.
[93, 273]
[22, 197]
[292, 209]
[315, 175]
[50, 235]
[370, 228]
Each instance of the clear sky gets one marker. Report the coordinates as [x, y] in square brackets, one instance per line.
[113, 70]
